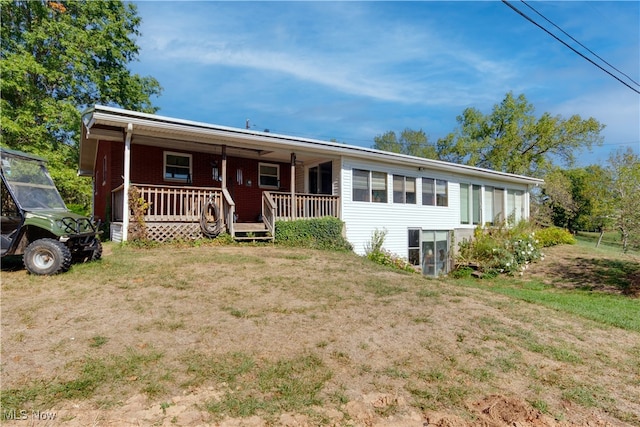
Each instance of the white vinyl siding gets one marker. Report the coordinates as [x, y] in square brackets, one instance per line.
[362, 219]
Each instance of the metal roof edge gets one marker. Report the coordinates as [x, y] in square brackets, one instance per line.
[103, 112]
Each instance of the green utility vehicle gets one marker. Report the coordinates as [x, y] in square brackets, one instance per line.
[35, 221]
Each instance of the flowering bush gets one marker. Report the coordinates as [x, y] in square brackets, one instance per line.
[501, 250]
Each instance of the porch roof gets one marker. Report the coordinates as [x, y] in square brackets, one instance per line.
[110, 123]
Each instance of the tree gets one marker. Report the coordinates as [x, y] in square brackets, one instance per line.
[58, 58]
[411, 142]
[511, 139]
[624, 195]
[557, 205]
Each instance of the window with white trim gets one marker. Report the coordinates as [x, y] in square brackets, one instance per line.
[515, 206]
[268, 175]
[177, 167]
[369, 186]
[404, 189]
[435, 192]
[493, 205]
[470, 203]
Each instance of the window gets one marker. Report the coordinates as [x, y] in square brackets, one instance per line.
[476, 204]
[177, 167]
[379, 187]
[434, 251]
[360, 185]
[470, 203]
[414, 246]
[494, 205]
[369, 186]
[514, 205]
[464, 204]
[269, 175]
[404, 189]
[435, 192]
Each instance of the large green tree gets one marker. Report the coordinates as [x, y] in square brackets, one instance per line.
[512, 139]
[411, 142]
[58, 58]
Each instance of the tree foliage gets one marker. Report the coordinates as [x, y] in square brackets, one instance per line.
[512, 139]
[58, 58]
[572, 199]
[410, 142]
[624, 196]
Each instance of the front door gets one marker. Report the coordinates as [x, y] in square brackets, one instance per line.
[321, 179]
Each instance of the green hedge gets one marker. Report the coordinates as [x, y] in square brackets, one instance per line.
[317, 233]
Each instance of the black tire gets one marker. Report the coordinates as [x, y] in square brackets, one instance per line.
[47, 257]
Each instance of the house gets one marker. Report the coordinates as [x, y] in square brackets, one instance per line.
[252, 179]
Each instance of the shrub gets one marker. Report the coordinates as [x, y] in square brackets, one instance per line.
[317, 233]
[500, 250]
[374, 252]
[552, 236]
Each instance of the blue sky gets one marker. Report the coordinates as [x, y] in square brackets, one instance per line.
[352, 70]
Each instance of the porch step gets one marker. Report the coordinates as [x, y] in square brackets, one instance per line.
[251, 231]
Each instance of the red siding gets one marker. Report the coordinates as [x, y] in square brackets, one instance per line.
[147, 165]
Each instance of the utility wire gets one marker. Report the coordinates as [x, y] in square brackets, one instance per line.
[569, 35]
[564, 43]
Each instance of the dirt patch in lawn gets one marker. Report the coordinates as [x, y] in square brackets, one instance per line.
[257, 336]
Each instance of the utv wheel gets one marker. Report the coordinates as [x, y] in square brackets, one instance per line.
[47, 257]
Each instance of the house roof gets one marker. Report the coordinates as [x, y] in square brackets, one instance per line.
[110, 123]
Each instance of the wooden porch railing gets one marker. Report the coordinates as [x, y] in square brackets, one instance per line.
[184, 204]
[305, 206]
[172, 204]
[269, 212]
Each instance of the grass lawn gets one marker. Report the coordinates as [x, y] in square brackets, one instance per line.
[266, 335]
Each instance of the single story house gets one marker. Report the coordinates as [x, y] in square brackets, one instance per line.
[253, 179]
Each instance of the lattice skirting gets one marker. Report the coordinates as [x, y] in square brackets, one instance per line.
[164, 231]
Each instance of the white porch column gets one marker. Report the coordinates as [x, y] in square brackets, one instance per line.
[294, 206]
[127, 183]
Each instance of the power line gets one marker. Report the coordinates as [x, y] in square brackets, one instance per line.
[525, 16]
[569, 35]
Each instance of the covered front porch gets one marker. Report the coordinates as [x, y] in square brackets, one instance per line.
[187, 212]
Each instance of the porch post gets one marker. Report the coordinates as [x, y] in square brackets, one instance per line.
[294, 205]
[127, 179]
[224, 167]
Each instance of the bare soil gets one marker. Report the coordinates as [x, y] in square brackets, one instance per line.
[402, 350]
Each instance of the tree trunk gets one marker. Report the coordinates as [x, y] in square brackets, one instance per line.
[600, 237]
